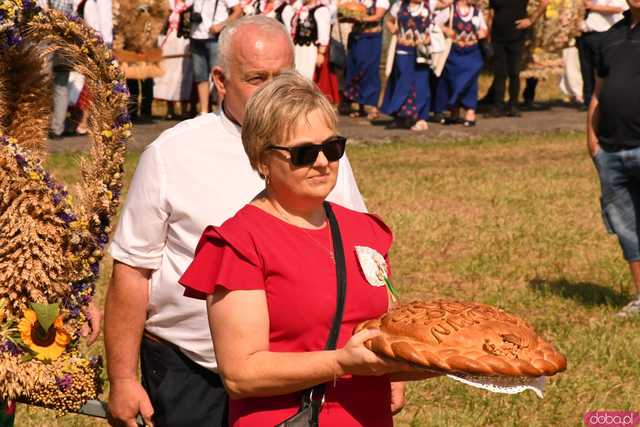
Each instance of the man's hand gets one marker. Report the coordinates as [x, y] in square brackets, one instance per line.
[92, 327]
[523, 24]
[319, 59]
[127, 399]
[397, 397]
[216, 28]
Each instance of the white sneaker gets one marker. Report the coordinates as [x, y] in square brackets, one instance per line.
[631, 309]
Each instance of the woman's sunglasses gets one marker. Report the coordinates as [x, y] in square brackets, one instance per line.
[306, 154]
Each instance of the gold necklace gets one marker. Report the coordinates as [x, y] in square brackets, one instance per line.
[288, 220]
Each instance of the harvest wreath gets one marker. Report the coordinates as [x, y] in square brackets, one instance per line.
[50, 244]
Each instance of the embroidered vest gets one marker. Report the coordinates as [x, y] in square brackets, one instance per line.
[465, 31]
[306, 30]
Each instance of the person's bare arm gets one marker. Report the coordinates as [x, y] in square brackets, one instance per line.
[523, 24]
[592, 120]
[235, 13]
[239, 323]
[489, 17]
[93, 326]
[603, 8]
[125, 315]
[391, 24]
[376, 17]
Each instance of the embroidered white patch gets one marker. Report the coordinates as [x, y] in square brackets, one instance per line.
[508, 385]
[373, 265]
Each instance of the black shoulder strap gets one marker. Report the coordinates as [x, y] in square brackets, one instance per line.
[315, 395]
[341, 275]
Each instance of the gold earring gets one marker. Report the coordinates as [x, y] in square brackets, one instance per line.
[266, 180]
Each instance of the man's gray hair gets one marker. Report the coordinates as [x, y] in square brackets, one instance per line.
[257, 23]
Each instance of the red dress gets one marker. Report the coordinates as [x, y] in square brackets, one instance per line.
[326, 79]
[255, 250]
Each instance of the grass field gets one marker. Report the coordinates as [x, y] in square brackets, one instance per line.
[510, 221]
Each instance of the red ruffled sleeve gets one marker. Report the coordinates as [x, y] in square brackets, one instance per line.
[223, 258]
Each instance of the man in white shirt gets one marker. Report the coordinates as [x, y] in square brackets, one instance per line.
[208, 19]
[601, 15]
[193, 175]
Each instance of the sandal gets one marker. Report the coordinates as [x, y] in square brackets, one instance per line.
[357, 114]
[469, 123]
[82, 130]
[421, 125]
[373, 115]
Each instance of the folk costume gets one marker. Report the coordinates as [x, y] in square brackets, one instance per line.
[177, 81]
[362, 76]
[272, 9]
[408, 95]
[465, 59]
[310, 28]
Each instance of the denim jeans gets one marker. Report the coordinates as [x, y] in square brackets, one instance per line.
[204, 54]
[619, 172]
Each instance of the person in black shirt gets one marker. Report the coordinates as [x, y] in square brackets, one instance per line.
[508, 22]
[613, 137]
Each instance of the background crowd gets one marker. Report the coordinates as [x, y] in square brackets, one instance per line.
[435, 52]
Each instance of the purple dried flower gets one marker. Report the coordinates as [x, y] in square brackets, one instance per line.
[21, 160]
[121, 88]
[123, 119]
[57, 198]
[95, 268]
[64, 382]
[66, 217]
[96, 361]
[48, 181]
[28, 5]
[13, 38]
[9, 347]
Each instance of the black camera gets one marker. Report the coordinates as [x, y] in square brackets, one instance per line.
[196, 18]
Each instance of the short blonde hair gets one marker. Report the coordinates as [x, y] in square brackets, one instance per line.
[274, 111]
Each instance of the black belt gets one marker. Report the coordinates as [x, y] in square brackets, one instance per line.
[618, 147]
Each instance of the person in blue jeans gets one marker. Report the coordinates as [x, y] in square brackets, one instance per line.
[208, 19]
[613, 138]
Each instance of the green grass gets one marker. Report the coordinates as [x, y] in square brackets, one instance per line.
[509, 221]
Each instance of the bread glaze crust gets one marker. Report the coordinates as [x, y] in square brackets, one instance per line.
[467, 337]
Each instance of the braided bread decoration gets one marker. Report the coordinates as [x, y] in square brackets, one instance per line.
[466, 337]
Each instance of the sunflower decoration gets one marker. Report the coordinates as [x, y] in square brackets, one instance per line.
[43, 333]
[51, 244]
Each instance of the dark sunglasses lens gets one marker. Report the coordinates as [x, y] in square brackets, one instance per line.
[334, 149]
[305, 155]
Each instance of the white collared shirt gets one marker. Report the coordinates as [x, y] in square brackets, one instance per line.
[192, 175]
[597, 21]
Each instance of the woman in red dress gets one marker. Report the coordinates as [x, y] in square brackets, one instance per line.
[269, 276]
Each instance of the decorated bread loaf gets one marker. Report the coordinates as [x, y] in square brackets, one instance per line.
[463, 337]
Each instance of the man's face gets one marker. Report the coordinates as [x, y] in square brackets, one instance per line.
[634, 4]
[255, 59]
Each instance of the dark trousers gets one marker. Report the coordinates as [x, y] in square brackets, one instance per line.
[529, 92]
[182, 392]
[587, 49]
[506, 63]
[142, 89]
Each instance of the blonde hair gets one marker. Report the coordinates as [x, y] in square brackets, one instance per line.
[274, 111]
